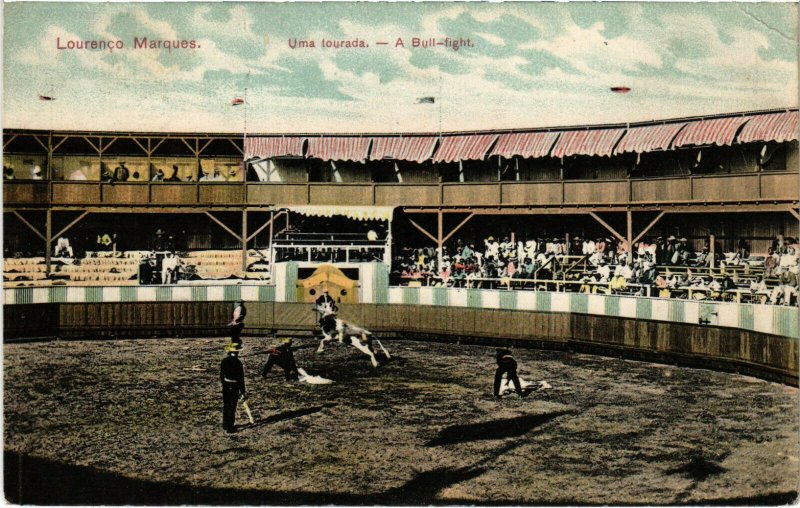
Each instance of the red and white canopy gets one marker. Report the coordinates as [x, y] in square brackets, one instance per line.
[268, 147]
[525, 144]
[778, 127]
[338, 148]
[462, 148]
[648, 138]
[587, 142]
[414, 148]
[714, 131]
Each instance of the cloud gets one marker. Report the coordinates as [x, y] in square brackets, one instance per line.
[491, 38]
[239, 25]
[590, 51]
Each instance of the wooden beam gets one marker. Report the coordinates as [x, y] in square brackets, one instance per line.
[9, 140]
[244, 240]
[265, 226]
[60, 143]
[223, 226]
[40, 142]
[205, 146]
[236, 146]
[629, 217]
[110, 143]
[645, 230]
[433, 238]
[36, 231]
[608, 227]
[193, 149]
[85, 138]
[794, 212]
[48, 240]
[145, 150]
[153, 149]
[453, 231]
[66, 228]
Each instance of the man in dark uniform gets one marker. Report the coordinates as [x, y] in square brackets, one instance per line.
[284, 358]
[506, 364]
[325, 304]
[237, 324]
[231, 374]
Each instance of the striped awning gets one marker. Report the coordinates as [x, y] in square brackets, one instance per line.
[525, 144]
[648, 138]
[778, 127]
[415, 148]
[464, 148]
[338, 148]
[268, 147]
[714, 131]
[587, 142]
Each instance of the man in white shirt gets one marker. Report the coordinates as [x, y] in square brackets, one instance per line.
[168, 267]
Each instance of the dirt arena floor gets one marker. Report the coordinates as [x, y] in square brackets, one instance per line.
[139, 422]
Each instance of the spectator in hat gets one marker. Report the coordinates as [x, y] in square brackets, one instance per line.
[121, 173]
[231, 375]
[158, 177]
[282, 356]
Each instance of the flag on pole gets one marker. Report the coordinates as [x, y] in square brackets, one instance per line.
[237, 102]
[426, 100]
[46, 98]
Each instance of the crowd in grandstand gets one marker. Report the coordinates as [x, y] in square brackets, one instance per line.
[665, 267]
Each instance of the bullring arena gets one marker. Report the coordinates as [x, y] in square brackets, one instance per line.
[659, 306]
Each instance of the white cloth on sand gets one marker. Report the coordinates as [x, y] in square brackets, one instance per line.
[507, 388]
[312, 380]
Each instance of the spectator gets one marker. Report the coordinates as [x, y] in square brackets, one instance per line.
[169, 267]
[174, 176]
[8, 173]
[158, 177]
[121, 173]
[63, 248]
[37, 172]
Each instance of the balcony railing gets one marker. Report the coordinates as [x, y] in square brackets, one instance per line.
[765, 186]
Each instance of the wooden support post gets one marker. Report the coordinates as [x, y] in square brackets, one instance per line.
[460, 224]
[608, 227]
[649, 226]
[68, 226]
[630, 235]
[48, 233]
[439, 240]
[32, 228]
[244, 239]
[711, 249]
[271, 232]
[223, 226]
[50, 156]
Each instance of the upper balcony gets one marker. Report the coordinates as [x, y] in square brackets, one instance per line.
[690, 190]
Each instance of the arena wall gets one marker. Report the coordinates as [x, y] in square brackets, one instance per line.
[646, 329]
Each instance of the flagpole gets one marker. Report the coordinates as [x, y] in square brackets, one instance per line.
[440, 107]
[245, 113]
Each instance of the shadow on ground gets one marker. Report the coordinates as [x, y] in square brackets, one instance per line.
[495, 429]
[286, 415]
[29, 480]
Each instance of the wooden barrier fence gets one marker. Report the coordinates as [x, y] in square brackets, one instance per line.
[768, 356]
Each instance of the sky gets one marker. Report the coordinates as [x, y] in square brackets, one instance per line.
[529, 65]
